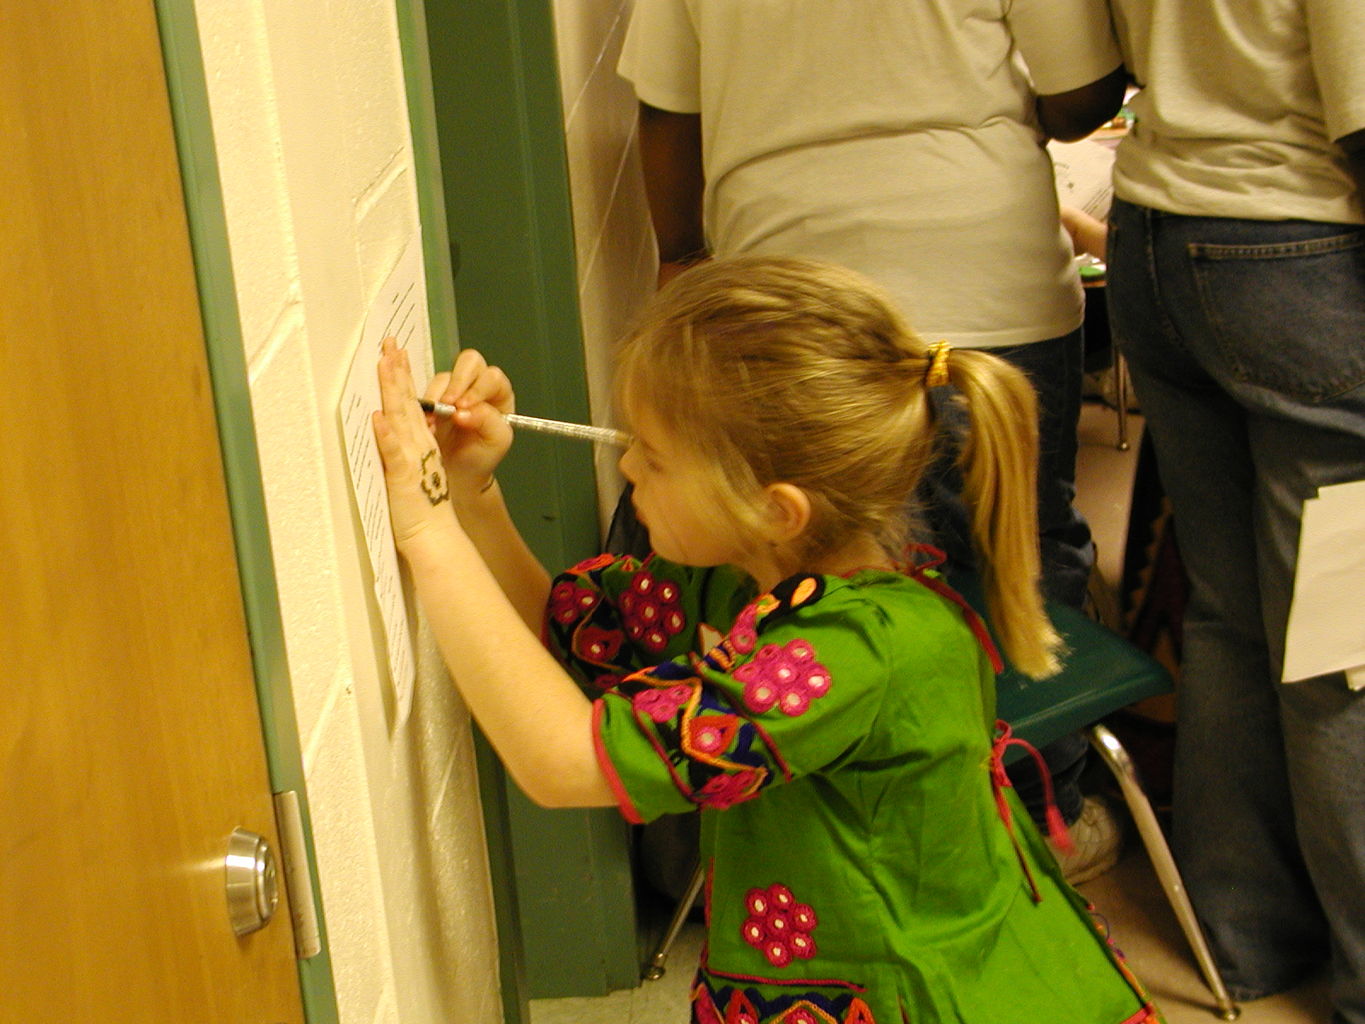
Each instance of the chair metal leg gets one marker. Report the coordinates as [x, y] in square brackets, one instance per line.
[654, 967]
[1121, 397]
[1121, 765]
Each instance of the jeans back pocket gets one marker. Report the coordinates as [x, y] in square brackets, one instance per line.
[1290, 315]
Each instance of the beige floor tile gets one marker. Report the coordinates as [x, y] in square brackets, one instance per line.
[1104, 484]
[1143, 927]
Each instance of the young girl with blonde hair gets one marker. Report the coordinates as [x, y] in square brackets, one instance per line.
[828, 707]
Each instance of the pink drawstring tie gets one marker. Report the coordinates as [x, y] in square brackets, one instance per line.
[1000, 781]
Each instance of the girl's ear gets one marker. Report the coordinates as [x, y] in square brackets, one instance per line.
[788, 512]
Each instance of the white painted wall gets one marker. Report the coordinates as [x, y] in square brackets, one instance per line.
[316, 162]
[315, 158]
[613, 237]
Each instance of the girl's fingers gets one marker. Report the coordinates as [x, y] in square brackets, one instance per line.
[398, 397]
[437, 387]
[468, 365]
[473, 381]
[395, 379]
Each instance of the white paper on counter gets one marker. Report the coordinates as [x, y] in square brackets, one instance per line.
[1326, 630]
[1083, 172]
[398, 311]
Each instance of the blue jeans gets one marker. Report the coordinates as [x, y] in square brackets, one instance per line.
[1246, 342]
[1055, 367]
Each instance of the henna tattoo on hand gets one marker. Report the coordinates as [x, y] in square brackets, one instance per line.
[434, 478]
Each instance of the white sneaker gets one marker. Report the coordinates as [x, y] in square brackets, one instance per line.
[1097, 837]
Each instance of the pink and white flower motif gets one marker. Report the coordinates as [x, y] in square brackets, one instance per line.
[726, 790]
[801, 1015]
[778, 926]
[662, 704]
[704, 1007]
[753, 932]
[708, 736]
[794, 702]
[756, 903]
[743, 634]
[568, 601]
[781, 896]
[779, 954]
[740, 1010]
[650, 611]
[596, 644]
[786, 676]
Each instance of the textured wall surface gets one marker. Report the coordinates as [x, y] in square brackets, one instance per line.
[315, 156]
[614, 241]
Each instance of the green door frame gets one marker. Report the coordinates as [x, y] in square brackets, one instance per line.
[562, 880]
[184, 62]
[500, 127]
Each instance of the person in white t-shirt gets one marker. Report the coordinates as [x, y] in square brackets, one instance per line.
[905, 141]
[1236, 290]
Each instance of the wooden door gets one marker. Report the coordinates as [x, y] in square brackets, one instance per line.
[130, 738]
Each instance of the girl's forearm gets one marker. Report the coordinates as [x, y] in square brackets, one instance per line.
[518, 572]
[533, 713]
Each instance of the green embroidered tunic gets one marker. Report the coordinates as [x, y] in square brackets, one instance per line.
[837, 736]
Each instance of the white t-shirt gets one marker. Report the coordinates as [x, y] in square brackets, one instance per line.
[1242, 102]
[898, 139]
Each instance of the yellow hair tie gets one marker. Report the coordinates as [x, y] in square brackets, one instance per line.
[937, 374]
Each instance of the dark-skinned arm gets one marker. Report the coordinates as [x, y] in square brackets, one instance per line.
[1354, 147]
[670, 151]
[1075, 114]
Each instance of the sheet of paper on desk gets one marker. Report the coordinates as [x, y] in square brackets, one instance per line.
[398, 311]
[1084, 175]
[1326, 631]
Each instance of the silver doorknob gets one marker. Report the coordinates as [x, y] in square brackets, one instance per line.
[252, 882]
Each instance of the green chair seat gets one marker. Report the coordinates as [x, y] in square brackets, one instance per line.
[1101, 673]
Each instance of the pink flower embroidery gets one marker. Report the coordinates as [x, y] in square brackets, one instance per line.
[595, 644]
[778, 926]
[740, 1010]
[787, 677]
[569, 602]
[650, 611]
[726, 790]
[708, 735]
[662, 704]
[704, 1007]
[743, 634]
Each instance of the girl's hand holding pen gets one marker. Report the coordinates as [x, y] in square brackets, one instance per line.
[476, 438]
[425, 471]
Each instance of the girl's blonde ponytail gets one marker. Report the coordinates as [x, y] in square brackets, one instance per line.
[999, 463]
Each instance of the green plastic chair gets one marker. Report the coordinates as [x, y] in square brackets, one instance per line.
[1103, 674]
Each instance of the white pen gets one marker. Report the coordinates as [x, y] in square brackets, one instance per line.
[605, 435]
